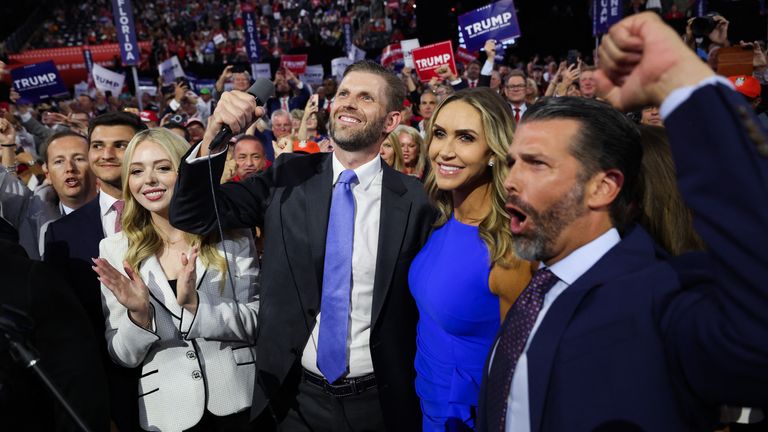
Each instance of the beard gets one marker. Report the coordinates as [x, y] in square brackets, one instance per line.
[353, 140]
[539, 243]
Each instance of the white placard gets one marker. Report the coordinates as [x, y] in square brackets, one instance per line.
[108, 81]
[261, 70]
[219, 39]
[339, 65]
[170, 70]
[407, 46]
[313, 75]
[150, 90]
[80, 88]
[356, 54]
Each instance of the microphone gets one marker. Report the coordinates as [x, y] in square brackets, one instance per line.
[262, 89]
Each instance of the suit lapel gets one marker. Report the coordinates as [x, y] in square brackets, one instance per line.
[392, 226]
[159, 289]
[629, 255]
[318, 191]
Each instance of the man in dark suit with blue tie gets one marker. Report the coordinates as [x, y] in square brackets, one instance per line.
[613, 334]
[337, 324]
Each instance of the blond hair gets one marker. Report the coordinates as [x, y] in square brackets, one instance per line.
[421, 162]
[393, 141]
[143, 239]
[498, 128]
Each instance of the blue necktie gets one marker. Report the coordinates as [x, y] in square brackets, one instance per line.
[337, 280]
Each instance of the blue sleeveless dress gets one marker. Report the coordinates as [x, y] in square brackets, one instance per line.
[458, 320]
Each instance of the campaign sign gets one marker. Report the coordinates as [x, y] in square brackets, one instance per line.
[126, 32]
[108, 81]
[356, 54]
[339, 65]
[313, 75]
[408, 45]
[261, 70]
[494, 21]
[170, 70]
[251, 36]
[88, 60]
[605, 13]
[430, 58]
[297, 63]
[81, 88]
[391, 54]
[39, 81]
[465, 56]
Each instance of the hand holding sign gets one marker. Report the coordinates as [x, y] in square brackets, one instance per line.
[432, 57]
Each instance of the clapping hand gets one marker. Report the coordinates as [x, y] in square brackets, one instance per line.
[130, 291]
[186, 290]
[7, 132]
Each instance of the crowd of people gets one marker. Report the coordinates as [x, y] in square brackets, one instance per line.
[542, 245]
[212, 32]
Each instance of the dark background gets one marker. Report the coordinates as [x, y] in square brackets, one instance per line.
[555, 26]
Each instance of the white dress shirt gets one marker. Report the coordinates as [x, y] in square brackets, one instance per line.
[107, 213]
[567, 270]
[365, 246]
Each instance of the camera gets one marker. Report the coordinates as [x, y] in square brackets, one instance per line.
[703, 26]
[178, 118]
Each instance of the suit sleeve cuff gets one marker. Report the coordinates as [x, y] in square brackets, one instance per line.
[192, 159]
[678, 96]
[456, 82]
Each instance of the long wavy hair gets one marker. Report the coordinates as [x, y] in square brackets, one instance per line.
[498, 129]
[421, 161]
[143, 239]
[393, 141]
[662, 209]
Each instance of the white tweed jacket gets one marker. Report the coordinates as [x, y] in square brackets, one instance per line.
[189, 363]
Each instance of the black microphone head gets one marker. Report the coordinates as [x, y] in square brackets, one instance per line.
[262, 89]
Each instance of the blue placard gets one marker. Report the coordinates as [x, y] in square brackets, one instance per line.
[251, 37]
[605, 13]
[126, 31]
[38, 82]
[88, 60]
[494, 21]
[701, 8]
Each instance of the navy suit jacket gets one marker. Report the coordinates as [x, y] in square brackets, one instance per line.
[298, 101]
[645, 341]
[70, 243]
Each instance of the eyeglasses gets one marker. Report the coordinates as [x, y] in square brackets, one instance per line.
[515, 87]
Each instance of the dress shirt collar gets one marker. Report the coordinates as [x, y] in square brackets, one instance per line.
[64, 209]
[570, 268]
[365, 173]
[105, 202]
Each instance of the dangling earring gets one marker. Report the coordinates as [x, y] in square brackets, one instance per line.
[491, 162]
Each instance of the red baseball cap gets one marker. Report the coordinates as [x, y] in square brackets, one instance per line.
[747, 85]
[148, 116]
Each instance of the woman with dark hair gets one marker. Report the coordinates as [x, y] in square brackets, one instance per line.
[662, 211]
[467, 275]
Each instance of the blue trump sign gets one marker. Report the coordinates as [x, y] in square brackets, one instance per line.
[494, 21]
[126, 32]
[605, 13]
[39, 81]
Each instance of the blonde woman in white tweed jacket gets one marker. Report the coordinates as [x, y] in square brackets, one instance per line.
[193, 342]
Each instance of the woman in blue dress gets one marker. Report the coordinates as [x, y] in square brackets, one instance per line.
[467, 275]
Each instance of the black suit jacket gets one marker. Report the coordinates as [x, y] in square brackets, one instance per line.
[70, 243]
[291, 200]
[67, 350]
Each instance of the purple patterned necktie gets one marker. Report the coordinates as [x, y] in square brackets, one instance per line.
[337, 280]
[118, 206]
[516, 329]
